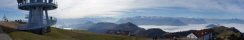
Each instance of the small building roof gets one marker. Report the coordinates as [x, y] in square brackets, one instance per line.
[192, 35]
[203, 32]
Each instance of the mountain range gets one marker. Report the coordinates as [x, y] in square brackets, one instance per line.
[176, 21]
[104, 27]
[85, 23]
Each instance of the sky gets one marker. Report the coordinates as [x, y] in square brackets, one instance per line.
[127, 8]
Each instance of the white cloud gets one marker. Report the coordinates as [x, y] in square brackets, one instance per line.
[176, 28]
[82, 8]
[190, 27]
[8, 4]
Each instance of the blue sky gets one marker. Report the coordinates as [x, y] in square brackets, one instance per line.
[126, 8]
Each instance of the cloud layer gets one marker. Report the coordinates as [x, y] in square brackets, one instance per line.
[190, 27]
[83, 8]
[118, 8]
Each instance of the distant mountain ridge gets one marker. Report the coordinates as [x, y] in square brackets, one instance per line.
[104, 27]
[82, 23]
[143, 20]
[176, 21]
[85, 23]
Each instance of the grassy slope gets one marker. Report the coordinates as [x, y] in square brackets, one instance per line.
[60, 34]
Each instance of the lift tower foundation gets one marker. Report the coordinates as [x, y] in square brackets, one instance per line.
[38, 20]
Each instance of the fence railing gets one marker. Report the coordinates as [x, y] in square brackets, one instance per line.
[35, 1]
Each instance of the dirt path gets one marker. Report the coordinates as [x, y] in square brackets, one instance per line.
[4, 36]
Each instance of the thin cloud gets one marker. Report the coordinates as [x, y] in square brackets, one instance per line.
[8, 4]
[82, 8]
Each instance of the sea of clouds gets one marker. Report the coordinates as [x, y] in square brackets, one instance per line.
[190, 27]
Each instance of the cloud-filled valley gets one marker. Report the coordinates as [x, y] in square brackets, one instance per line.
[190, 27]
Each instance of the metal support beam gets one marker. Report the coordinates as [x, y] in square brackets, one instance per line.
[47, 18]
[36, 18]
